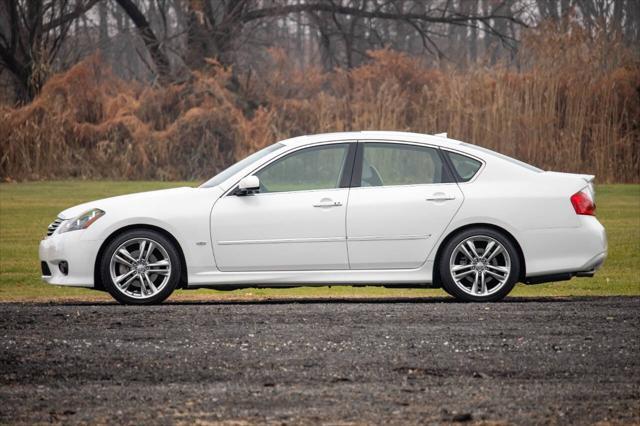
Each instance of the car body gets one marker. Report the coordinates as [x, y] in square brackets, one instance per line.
[374, 208]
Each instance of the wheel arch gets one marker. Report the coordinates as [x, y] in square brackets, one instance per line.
[454, 232]
[97, 280]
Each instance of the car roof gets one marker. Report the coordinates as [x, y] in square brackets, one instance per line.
[440, 140]
[391, 136]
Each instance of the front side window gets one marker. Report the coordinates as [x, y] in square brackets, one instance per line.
[387, 164]
[304, 170]
[465, 167]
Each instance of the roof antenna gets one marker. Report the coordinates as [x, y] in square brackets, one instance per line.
[441, 135]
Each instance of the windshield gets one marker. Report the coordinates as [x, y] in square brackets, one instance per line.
[232, 170]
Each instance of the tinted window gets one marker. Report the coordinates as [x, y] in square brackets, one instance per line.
[504, 157]
[466, 167]
[386, 164]
[311, 168]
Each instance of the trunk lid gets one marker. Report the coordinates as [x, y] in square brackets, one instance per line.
[587, 181]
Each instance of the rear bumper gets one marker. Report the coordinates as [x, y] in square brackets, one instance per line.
[592, 266]
[78, 254]
[557, 255]
[589, 271]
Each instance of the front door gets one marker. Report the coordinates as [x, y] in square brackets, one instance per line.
[295, 222]
[405, 200]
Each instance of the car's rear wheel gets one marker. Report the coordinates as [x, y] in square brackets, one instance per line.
[140, 267]
[479, 265]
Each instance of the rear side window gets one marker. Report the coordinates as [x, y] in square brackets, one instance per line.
[465, 167]
[504, 157]
[389, 164]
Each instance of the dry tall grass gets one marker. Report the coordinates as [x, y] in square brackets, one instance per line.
[574, 106]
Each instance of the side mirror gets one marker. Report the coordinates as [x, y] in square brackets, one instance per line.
[249, 185]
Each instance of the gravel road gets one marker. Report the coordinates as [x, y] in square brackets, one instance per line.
[525, 361]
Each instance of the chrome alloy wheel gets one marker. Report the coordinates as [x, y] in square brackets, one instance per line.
[140, 268]
[480, 265]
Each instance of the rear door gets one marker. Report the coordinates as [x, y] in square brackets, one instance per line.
[402, 198]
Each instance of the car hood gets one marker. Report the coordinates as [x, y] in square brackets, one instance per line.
[166, 196]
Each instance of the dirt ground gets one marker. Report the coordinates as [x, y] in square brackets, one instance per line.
[525, 361]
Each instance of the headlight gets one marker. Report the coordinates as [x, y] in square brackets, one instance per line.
[81, 222]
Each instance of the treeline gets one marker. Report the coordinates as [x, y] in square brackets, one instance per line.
[564, 109]
[162, 41]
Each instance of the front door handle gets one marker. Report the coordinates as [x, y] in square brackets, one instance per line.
[441, 197]
[328, 203]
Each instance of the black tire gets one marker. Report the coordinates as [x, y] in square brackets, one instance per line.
[159, 239]
[446, 277]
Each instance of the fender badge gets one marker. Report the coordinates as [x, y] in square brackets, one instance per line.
[201, 243]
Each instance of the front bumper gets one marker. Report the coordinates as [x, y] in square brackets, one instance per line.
[79, 254]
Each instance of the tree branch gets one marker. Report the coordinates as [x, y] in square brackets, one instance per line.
[80, 9]
[160, 59]
[379, 14]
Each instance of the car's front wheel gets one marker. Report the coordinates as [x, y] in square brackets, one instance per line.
[479, 265]
[140, 267]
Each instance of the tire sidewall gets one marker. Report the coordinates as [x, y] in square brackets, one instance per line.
[449, 284]
[105, 261]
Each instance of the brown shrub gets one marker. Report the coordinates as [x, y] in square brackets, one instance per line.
[86, 123]
[573, 111]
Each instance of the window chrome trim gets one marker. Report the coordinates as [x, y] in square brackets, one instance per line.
[360, 159]
[232, 188]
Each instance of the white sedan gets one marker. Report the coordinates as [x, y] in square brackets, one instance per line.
[362, 208]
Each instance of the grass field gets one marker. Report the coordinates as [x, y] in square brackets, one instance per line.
[27, 208]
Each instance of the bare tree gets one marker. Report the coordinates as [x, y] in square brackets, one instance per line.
[38, 37]
[31, 34]
[214, 27]
[158, 55]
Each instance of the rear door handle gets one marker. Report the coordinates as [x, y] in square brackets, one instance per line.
[329, 203]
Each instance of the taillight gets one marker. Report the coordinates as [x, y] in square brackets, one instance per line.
[583, 203]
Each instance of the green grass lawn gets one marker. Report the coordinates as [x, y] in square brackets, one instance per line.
[27, 208]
